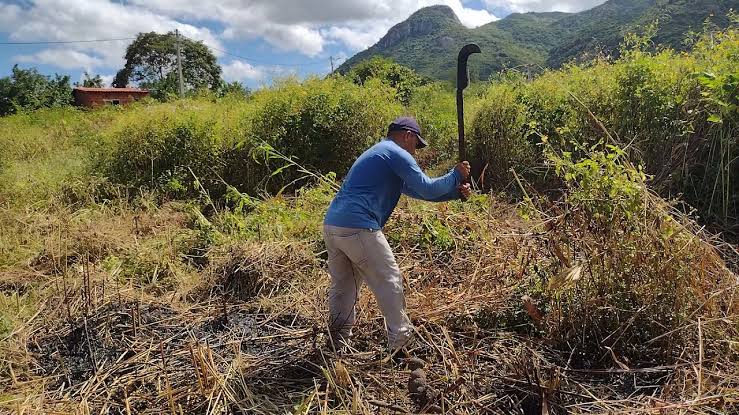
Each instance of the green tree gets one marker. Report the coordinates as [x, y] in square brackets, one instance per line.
[400, 77]
[151, 62]
[27, 89]
[233, 88]
[91, 81]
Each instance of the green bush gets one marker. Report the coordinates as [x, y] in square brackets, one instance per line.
[161, 153]
[624, 271]
[674, 114]
[323, 124]
[401, 78]
[435, 108]
[193, 148]
[499, 137]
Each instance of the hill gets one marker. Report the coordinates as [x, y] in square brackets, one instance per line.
[429, 40]
[604, 27]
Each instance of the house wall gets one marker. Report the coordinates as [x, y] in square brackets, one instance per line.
[95, 99]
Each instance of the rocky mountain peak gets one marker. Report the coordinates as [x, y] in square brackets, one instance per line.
[425, 21]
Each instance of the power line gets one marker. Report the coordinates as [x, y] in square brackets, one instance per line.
[56, 42]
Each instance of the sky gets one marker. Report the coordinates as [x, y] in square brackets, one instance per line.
[255, 41]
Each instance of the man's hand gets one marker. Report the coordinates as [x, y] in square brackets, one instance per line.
[464, 169]
[465, 190]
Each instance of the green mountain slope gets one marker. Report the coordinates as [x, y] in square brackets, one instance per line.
[428, 41]
[430, 38]
[602, 28]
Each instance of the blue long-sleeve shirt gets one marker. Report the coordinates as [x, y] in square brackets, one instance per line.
[373, 186]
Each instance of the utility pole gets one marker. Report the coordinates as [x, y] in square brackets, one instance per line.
[179, 64]
[332, 63]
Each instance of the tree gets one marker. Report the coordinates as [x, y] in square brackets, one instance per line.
[27, 89]
[233, 88]
[151, 62]
[91, 82]
[402, 78]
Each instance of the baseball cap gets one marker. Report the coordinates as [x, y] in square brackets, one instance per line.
[408, 124]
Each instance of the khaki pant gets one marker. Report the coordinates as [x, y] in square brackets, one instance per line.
[357, 256]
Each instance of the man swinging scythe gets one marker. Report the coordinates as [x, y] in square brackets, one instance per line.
[358, 252]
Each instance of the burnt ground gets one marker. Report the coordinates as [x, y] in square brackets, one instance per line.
[126, 351]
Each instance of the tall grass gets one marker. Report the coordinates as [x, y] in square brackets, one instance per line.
[674, 113]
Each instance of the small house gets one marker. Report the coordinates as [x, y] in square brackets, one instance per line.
[95, 97]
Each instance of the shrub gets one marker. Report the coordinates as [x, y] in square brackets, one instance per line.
[624, 276]
[674, 114]
[499, 137]
[166, 153]
[193, 148]
[323, 124]
[435, 108]
[401, 78]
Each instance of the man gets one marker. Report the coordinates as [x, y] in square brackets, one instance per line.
[357, 249]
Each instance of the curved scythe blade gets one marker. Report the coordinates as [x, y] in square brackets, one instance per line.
[463, 79]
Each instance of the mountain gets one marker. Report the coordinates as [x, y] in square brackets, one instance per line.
[604, 27]
[429, 40]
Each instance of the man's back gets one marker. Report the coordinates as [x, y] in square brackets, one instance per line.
[370, 191]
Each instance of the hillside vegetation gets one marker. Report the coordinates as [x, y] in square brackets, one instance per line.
[429, 40]
[167, 257]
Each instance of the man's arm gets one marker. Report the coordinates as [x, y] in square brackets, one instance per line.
[453, 195]
[418, 185]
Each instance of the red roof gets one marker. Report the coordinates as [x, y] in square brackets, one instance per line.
[134, 90]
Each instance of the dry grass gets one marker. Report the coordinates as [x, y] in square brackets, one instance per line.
[244, 330]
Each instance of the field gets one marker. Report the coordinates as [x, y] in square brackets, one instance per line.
[167, 257]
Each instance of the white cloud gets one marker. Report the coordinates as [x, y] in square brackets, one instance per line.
[242, 71]
[306, 26]
[63, 58]
[302, 26]
[355, 38]
[9, 13]
[64, 20]
[107, 79]
[521, 6]
[298, 38]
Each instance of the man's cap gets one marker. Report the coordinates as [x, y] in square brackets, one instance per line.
[408, 124]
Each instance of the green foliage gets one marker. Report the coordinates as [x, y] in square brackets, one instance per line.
[196, 148]
[403, 79]
[435, 109]
[604, 184]
[499, 135]
[434, 234]
[91, 81]
[233, 88]
[624, 269]
[45, 150]
[151, 62]
[322, 124]
[674, 114]
[26, 89]
[280, 218]
[165, 153]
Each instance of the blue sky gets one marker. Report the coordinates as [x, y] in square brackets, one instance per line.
[274, 38]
